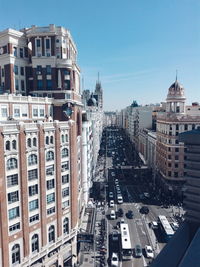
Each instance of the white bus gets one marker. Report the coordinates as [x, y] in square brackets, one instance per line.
[126, 247]
[166, 228]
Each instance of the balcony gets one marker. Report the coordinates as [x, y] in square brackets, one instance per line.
[66, 63]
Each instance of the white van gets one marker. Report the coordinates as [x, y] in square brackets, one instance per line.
[119, 199]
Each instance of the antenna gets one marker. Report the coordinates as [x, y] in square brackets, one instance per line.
[176, 74]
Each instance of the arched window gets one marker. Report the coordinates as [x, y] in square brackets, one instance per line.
[29, 142]
[66, 226]
[7, 145]
[49, 155]
[34, 141]
[32, 160]
[51, 233]
[14, 144]
[66, 138]
[16, 254]
[35, 243]
[51, 140]
[47, 140]
[63, 138]
[11, 164]
[65, 153]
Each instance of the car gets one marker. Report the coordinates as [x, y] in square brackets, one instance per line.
[112, 173]
[129, 214]
[110, 194]
[138, 251]
[119, 199]
[112, 215]
[149, 252]
[146, 195]
[115, 236]
[175, 226]
[116, 181]
[154, 225]
[120, 213]
[144, 210]
[114, 259]
[112, 203]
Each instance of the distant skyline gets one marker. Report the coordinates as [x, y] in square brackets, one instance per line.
[136, 45]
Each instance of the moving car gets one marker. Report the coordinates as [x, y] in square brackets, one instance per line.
[149, 252]
[129, 214]
[114, 260]
[112, 215]
[115, 236]
[112, 203]
[138, 251]
[144, 210]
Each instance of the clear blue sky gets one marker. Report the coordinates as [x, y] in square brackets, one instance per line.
[136, 45]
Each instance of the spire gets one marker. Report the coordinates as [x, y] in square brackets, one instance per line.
[98, 77]
[176, 74]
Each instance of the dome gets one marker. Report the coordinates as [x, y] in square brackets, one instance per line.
[92, 102]
[176, 91]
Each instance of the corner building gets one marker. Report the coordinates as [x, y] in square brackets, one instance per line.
[41, 127]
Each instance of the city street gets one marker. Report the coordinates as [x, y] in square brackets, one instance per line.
[118, 165]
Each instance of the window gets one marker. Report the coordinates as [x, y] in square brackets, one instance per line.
[13, 197]
[41, 112]
[176, 142]
[176, 149]
[34, 141]
[38, 43]
[65, 153]
[50, 211]
[14, 227]
[35, 243]
[169, 164]
[66, 138]
[16, 70]
[169, 148]
[35, 112]
[39, 70]
[51, 139]
[65, 179]
[47, 140]
[7, 145]
[13, 213]
[65, 192]
[51, 233]
[39, 84]
[57, 40]
[22, 85]
[15, 51]
[169, 156]
[185, 127]
[48, 69]
[14, 144]
[50, 170]
[33, 205]
[66, 226]
[16, 112]
[33, 190]
[11, 164]
[47, 43]
[4, 112]
[50, 184]
[50, 198]
[22, 71]
[49, 156]
[177, 127]
[176, 157]
[49, 84]
[32, 160]
[169, 174]
[21, 52]
[65, 204]
[2, 73]
[65, 166]
[12, 180]
[176, 165]
[16, 84]
[63, 138]
[66, 72]
[175, 174]
[32, 174]
[34, 218]
[16, 254]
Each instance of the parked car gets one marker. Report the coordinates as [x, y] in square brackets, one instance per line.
[144, 210]
[129, 214]
[115, 236]
[110, 194]
[138, 251]
[149, 252]
[112, 203]
[119, 199]
[114, 260]
[146, 195]
[112, 215]
[175, 226]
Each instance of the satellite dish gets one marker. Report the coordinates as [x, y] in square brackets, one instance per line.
[30, 46]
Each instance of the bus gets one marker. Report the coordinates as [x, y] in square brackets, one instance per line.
[165, 227]
[126, 247]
